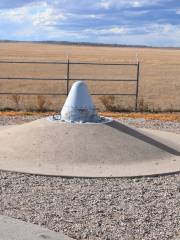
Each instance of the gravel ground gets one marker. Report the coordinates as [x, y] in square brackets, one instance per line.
[153, 124]
[8, 120]
[138, 122]
[138, 208]
[145, 208]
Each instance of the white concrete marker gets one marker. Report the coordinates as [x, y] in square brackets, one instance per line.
[79, 106]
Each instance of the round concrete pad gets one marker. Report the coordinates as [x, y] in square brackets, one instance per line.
[87, 150]
[6, 126]
[12, 229]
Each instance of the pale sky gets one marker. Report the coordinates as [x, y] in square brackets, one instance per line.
[141, 22]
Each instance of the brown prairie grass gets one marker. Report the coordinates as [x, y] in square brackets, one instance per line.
[159, 86]
[41, 101]
[16, 99]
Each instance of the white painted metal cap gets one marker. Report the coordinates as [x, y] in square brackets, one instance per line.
[79, 106]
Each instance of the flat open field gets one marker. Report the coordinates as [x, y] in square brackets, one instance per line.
[159, 86]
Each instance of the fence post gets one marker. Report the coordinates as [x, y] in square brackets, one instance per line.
[67, 77]
[137, 86]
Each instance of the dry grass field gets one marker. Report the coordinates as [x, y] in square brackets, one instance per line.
[159, 86]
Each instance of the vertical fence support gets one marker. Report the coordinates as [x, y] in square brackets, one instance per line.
[67, 77]
[137, 86]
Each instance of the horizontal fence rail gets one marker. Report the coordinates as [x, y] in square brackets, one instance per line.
[68, 78]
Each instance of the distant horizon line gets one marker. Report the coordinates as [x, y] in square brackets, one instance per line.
[87, 44]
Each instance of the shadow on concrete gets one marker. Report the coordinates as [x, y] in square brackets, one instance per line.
[132, 132]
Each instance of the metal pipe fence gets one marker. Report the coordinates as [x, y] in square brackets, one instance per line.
[69, 79]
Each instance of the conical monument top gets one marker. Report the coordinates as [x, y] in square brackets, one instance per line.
[79, 106]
